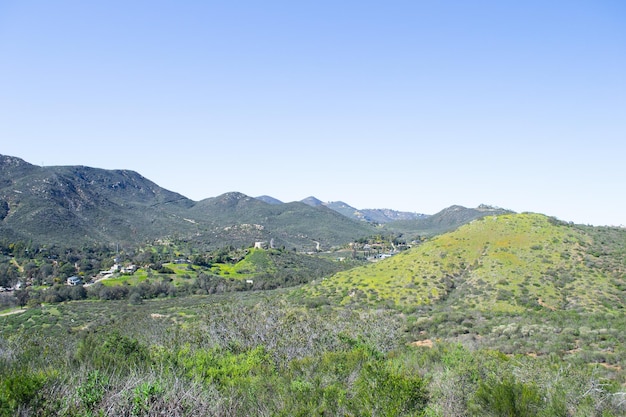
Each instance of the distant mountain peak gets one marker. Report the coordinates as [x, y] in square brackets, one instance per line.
[312, 201]
[233, 198]
[12, 164]
[454, 207]
[488, 207]
[233, 195]
[11, 160]
[269, 200]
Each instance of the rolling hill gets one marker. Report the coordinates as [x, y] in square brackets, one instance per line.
[507, 263]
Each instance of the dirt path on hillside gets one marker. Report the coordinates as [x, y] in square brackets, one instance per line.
[541, 303]
[13, 312]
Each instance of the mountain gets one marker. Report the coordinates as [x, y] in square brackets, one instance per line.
[77, 205]
[368, 215]
[269, 200]
[312, 201]
[446, 220]
[387, 215]
[505, 263]
[241, 219]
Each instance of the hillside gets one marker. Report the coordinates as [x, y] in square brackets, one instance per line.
[507, 313]
[508, 263]
[80, 206]
[77, 206]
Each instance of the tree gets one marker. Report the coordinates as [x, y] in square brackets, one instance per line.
[8, 275]
[22, 297]
[67, 270]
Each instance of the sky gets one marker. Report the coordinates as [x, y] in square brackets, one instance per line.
[409, 105]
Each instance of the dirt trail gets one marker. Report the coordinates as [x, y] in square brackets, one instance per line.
[541, 303]
[12, 312]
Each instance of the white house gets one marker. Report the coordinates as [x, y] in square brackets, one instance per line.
[74, 281]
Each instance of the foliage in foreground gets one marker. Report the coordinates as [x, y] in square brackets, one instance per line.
[257, 354]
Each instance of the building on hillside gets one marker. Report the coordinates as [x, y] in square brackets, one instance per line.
[181, 261]
[260, 245]
[74, 281]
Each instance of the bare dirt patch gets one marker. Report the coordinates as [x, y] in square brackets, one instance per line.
[541, 303]
[427, 343]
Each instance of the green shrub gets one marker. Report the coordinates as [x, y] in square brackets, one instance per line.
[19, 389]
[508, 398]
[91, 391]
[221, 366]
[388, 391]
[143, 396]
[112, 351]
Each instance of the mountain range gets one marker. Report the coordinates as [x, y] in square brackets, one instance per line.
[368, 215]
[79, 205]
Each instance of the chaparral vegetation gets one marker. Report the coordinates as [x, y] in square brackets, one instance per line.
[119, 298]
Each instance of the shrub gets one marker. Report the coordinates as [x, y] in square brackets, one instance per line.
[113, 351]
[144, 395]
[389, 391]
[19, 389]
[91, 391]
[508, 398]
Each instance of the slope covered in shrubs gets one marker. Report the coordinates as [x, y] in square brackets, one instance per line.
[508, 263]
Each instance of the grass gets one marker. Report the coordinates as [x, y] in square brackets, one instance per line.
[182, 273]
[283, 266]
[255, 262]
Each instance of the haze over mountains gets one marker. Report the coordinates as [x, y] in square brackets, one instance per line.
[77, 205]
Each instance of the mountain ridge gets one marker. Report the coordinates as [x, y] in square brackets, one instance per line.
[78, 205]
[382, 216]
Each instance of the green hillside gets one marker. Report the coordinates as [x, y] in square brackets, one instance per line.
[516, 315]
[238, 270]
[506, 263]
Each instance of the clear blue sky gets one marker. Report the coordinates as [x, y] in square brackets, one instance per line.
[411, 105]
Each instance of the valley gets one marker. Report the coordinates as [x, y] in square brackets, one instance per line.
[236, 306]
